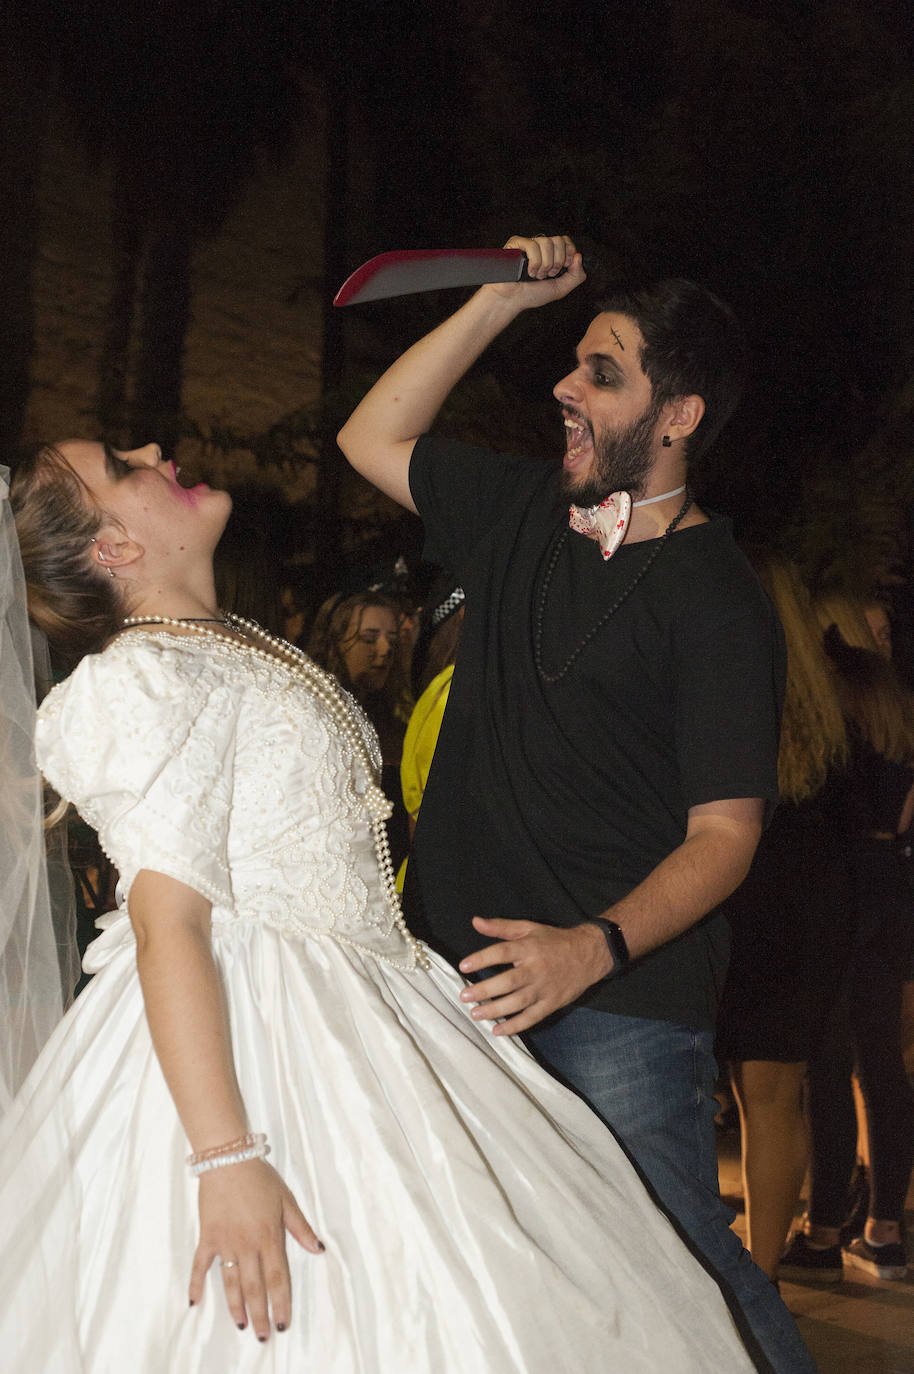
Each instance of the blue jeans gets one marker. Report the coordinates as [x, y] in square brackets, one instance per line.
[653, 1083]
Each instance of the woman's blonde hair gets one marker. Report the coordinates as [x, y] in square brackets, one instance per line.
[813, 735]
[331, 637]
[69, 596]
[870, 691]
[848, 615]
[330, 634]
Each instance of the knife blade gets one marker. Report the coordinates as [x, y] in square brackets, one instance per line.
[403, 272]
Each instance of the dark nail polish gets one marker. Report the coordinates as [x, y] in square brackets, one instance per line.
[280, 1326]
[192, 1303]
[242, 1326]
[320, 1246]
[261, 1339]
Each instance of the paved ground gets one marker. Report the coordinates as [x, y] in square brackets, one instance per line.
[862, 1325]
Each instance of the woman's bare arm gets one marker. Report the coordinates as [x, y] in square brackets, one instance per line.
[245, 1209]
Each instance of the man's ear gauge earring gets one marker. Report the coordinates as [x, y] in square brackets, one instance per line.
[666, 441]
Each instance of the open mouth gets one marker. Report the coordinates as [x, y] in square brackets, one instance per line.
[578, 439]
[187, 492]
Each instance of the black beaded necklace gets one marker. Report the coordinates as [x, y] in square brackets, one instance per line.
[551, 678]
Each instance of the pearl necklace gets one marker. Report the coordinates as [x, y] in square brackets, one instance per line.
[339, 705]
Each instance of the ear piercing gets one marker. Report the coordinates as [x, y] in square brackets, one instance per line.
[666, 441]
[101, 559]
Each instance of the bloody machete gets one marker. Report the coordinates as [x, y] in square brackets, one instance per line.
[430, 269]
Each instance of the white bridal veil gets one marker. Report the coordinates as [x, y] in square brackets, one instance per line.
[31, 1001]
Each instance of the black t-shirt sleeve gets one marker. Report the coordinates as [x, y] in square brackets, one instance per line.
[460, 492]
[730, 686]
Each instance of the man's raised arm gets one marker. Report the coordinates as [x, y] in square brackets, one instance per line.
[378, 437]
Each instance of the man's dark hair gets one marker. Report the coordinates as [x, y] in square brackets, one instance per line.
[693, 345]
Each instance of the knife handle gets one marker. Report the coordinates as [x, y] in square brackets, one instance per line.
[590, 264]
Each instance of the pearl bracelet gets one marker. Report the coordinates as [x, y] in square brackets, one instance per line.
[235, 1152]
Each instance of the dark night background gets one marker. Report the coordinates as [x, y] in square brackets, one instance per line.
[765, 151]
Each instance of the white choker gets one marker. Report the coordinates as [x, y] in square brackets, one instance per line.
[652, 500]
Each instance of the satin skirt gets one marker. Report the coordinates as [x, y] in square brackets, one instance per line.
[477, 1217]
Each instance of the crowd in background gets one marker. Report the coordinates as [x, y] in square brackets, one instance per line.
[823, 934]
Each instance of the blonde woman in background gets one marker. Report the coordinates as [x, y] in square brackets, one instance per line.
[357, 639]
[791, 925]
[876, 806]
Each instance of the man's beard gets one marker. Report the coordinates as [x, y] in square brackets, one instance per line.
[622, 461]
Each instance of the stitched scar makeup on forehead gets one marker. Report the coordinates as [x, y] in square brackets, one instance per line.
[617, 339]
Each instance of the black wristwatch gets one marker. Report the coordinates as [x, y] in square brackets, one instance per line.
[615, 941]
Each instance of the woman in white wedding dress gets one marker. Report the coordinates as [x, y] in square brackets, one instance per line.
[451, 1207]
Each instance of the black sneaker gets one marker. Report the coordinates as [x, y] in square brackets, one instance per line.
[801, 1262]
[885, 1261]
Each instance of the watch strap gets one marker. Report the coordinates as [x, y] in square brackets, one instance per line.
[616, 944]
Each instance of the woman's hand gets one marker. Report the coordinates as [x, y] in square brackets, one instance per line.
[245, 1211]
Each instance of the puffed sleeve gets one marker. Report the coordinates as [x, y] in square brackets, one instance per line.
[141, 739]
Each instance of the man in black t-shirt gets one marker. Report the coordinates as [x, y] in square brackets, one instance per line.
[610, 741]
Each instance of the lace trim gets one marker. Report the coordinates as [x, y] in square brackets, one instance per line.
[408, 964]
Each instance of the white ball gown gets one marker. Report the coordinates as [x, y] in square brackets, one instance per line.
[477, 1217]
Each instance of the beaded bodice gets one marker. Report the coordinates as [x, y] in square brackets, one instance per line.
[196, 757]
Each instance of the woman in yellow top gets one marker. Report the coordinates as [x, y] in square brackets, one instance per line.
[436, 653]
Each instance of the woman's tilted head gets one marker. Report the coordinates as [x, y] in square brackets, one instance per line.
[70, 596]
[104, 533]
